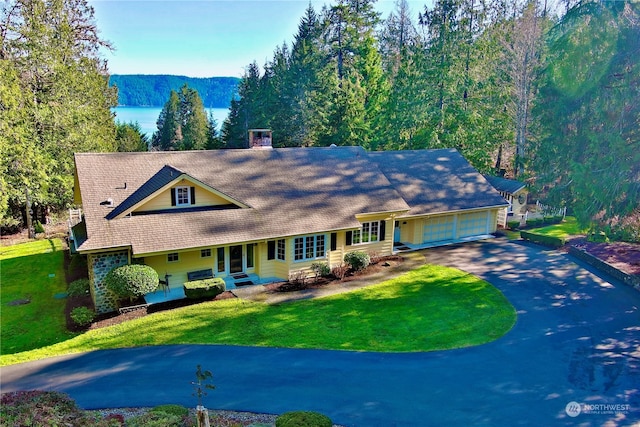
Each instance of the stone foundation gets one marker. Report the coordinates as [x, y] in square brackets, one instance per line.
[99, 265]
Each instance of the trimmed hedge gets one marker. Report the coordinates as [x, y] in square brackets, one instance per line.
[551, 241]
[207, 288]
[513, 224]
[303, 419]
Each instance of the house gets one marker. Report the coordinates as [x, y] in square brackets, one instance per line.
[515, 192]
[254, 216]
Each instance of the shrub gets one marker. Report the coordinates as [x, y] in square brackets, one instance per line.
[77, 266]
[132, 281]
[297, 278]
[548, 220]
[552, 241]
[534, 222]
[38, 227]
[82, 316]
[155, 419]
[321, 269]
[303, 419]
[358, 260]
[177, 410]
[339, 271]
[45, 408]
[206, 288]
[513, 225]
[78, 288]
[598, 237]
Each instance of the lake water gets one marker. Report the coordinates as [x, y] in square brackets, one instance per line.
[148, 116]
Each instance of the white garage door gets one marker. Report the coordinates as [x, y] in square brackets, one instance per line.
[473, 224]
[438, 229]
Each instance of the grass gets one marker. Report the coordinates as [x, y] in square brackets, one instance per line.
[567, 228]
[32, 271]
[430, 308]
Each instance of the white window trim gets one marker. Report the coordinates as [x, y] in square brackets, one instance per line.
[177, 257]
[357, 234]
[281, 255]
[188, 190]
[323, 255]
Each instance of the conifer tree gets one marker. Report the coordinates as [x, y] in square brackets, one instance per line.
[50, 53]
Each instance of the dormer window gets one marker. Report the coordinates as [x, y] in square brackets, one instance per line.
[183, 196]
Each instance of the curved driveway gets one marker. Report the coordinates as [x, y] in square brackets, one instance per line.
[577, 338]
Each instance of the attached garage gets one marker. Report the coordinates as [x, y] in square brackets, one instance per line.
[474, 224]
[438, 229]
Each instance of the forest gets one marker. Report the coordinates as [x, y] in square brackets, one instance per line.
[136, 90]
[544, 91]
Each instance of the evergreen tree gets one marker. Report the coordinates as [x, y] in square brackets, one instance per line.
[129, 137]
[50, 52]
[248, 112]
[182, 123]
[169, 134]
[586, 148]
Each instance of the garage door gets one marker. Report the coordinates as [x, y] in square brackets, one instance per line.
[472, 224]
[438, 229]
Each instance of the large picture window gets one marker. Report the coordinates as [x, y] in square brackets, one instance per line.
[370, 232]
[309, 247]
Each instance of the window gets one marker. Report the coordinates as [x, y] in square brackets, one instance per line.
[221, 265]
[173, 257]
[280, 250]
[205, 253]
[183, 196]
[308, 247]
[250, 257]
[370, 232]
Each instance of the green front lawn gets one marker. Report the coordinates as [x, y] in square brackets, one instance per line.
[430, 308]
[567, 228]
[32, 272]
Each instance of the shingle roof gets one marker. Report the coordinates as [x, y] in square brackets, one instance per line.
[503, 184]
[433, 181]
[290, 191]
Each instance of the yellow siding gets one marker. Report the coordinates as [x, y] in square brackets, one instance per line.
[188, 261]
[163, 200]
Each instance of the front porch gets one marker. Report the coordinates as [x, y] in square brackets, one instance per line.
[234, 281]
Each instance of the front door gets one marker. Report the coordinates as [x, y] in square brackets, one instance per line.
[235, 259]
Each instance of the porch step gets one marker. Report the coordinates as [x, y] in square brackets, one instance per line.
[238, 280]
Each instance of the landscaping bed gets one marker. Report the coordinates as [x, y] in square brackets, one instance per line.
[621, 255]
[380, 264]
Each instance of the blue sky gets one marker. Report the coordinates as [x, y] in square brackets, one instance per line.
[201, 38]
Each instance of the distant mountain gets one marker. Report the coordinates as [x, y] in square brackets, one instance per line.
[138, 90]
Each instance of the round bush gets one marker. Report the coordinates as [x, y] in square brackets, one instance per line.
[303, 419]
[78, 288]
[177, 410]
[132, 281]
[357, 260]
[82, 315]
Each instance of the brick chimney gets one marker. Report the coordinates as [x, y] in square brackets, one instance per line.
[260, 139]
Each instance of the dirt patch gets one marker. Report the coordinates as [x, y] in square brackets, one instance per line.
[623, 256]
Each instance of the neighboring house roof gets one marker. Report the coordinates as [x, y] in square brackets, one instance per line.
[284, 192]
[433, 181]
[506, 185]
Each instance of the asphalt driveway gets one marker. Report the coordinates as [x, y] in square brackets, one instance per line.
[577, 339]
